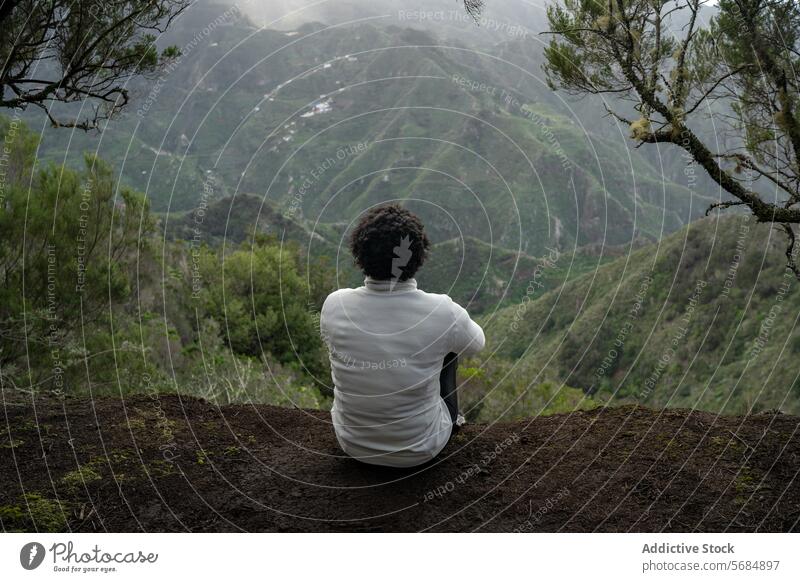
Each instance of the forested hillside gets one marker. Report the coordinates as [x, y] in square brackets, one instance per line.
[255, 152]
[705, 319]
[113, 300]
[323, 121]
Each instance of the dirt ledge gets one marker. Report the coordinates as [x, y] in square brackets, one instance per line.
[181, 464]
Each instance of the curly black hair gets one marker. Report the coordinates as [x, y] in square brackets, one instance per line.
[389, 242]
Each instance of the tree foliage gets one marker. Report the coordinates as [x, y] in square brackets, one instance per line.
[259, 297]
[68, 241]
[91, 300]
[741, 67]
[80, 52]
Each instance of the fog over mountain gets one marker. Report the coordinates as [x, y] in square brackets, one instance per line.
[446, 17]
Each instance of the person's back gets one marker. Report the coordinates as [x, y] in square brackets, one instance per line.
[387, 342]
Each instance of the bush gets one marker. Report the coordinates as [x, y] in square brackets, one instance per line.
[68, 241]
[262, 304]
[223, 377]
[496, 391]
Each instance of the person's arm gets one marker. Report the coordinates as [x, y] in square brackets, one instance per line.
[324, 316]
[467, 337]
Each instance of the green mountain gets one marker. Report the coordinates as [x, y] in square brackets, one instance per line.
[231, 220]
[477, 275]
[705, 319]
[484, 278]
[323, 122]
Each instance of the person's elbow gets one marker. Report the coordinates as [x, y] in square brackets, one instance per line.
[477, 343]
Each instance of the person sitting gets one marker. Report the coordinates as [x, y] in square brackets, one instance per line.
[394, 348]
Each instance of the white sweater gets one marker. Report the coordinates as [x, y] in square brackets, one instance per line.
[387, 341]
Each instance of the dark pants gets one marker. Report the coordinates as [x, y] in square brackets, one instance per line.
[447, 384]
